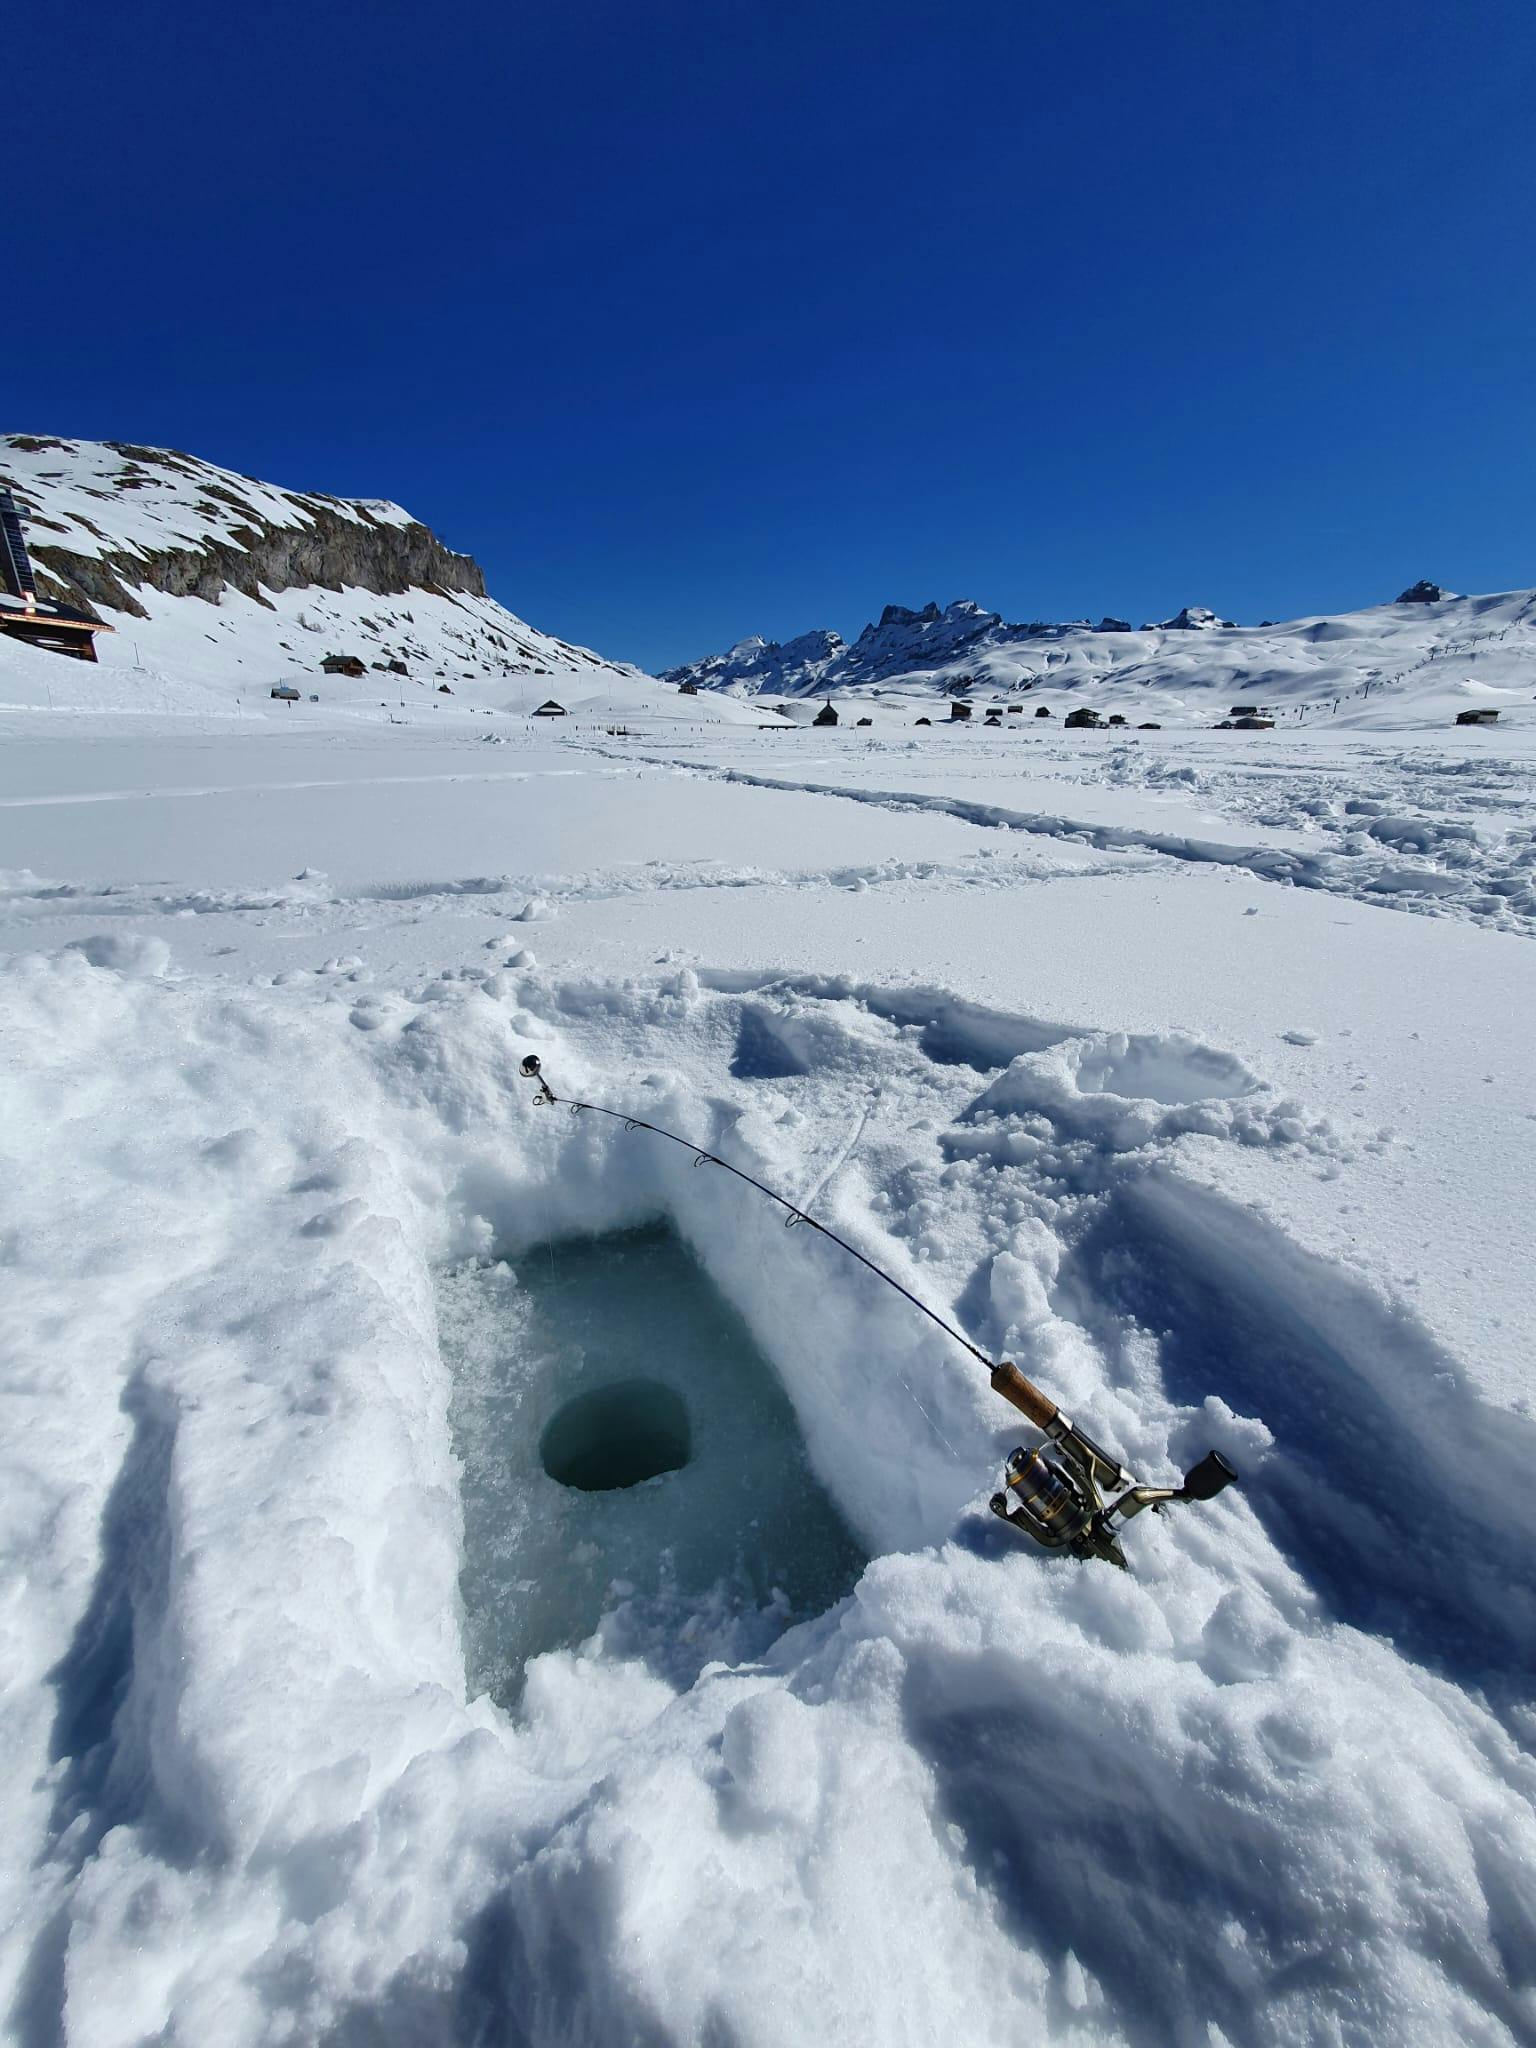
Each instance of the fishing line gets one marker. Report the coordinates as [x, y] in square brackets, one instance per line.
[531, 1071]
[1053, 1495]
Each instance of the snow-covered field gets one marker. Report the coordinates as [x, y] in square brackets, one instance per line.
[1121, 1052]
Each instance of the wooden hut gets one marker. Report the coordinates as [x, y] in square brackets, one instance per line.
[550, 709]
[57, 628]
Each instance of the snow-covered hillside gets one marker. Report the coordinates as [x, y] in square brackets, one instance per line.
[1415, 662]
[219, 587]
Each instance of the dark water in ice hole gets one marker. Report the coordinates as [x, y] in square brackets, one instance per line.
[689, 1513]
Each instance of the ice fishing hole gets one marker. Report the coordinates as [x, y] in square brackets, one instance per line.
[629, 1464]
[617, 1436]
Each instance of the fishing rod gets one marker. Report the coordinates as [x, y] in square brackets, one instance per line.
[1058, 1487]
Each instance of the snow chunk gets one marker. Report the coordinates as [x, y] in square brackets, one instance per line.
[130, 953]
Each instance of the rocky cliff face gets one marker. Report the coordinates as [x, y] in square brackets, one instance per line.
[106, 519]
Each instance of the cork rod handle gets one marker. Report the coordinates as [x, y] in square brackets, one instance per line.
[1008, 1381]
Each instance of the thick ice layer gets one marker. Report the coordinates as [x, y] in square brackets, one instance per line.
[688, 1507]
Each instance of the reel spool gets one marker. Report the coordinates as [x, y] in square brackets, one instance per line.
[1053, 1493]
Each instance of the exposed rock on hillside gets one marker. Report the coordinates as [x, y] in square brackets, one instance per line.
[198, 530]
[225, 584]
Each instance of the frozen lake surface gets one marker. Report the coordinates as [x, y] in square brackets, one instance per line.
[349, 1699]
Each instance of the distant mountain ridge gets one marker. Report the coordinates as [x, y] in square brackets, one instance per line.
[903, 642]
[1428, 640]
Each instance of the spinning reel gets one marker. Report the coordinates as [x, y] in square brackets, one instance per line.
[1058, 1487]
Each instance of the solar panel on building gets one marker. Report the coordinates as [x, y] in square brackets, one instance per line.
[14, 563]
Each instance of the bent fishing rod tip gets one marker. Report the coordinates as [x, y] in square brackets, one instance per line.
[531, 1070]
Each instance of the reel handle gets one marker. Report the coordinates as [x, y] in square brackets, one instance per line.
[1008, 1381]
[1213, 1475]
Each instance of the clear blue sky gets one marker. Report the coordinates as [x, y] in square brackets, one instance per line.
[698, 318]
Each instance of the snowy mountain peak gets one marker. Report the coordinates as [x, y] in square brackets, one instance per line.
[1194, 618]
[964, 611]
[758, 667]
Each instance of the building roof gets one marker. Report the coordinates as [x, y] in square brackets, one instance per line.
[43, 613]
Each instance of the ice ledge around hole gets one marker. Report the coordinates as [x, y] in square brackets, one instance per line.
[721, 1551]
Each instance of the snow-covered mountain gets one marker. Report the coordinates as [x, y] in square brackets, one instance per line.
[1415, 659]
[901, 642]
[218, 587]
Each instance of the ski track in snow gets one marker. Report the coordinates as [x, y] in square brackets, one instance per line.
[120, 796]
[1495, 886]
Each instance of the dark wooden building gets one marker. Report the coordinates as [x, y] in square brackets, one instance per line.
[57, 628]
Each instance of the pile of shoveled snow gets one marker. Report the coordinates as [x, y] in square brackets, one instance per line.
[1270, 1787]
